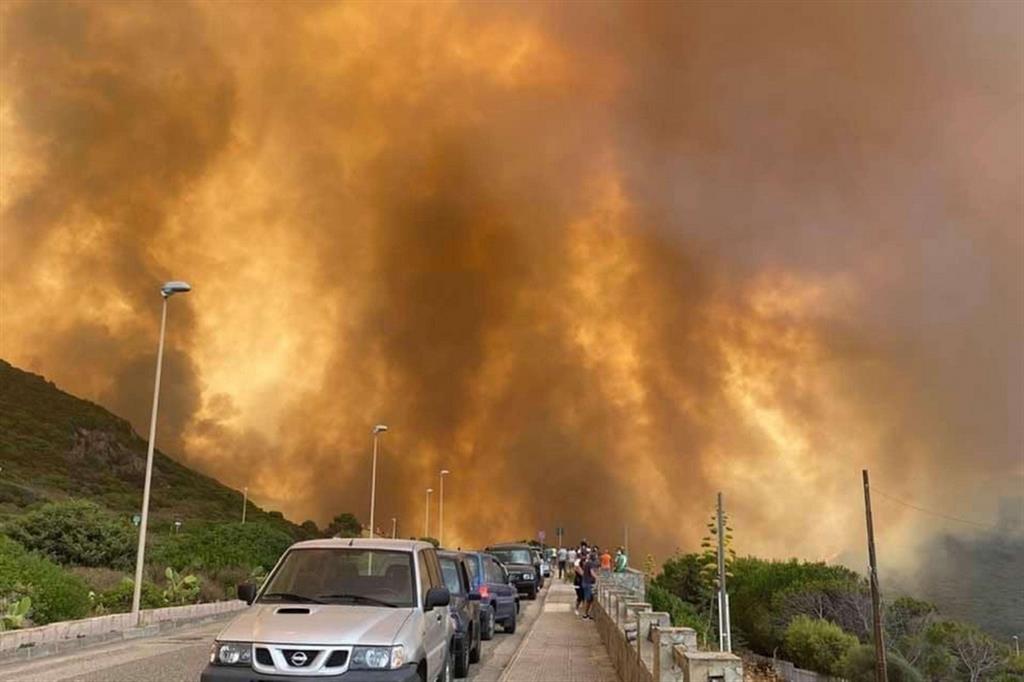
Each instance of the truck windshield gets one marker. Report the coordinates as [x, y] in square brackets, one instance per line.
[349, 575]
[513, 556]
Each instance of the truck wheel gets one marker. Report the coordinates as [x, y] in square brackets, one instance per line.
[532, 594]
[509, 625]
[474, 652]
[461, 667]
[487, 627]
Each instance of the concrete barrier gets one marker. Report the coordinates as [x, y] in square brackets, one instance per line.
[48, 639]
[644, 647]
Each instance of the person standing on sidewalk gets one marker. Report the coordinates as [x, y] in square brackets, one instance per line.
[588, 577]
[621, 561]
[606, 563]
[562, 556]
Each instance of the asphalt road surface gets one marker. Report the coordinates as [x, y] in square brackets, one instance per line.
[180, 655]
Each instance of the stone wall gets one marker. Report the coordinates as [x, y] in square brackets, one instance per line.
[46, 639]
[642, 644]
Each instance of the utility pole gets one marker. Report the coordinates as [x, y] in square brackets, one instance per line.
[394, 527]
[724, 630]
[245, 501]
[881, 674]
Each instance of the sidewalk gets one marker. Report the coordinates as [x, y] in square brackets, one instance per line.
[560, 647]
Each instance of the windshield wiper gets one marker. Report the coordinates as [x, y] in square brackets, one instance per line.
[358, 597]
[291, 597]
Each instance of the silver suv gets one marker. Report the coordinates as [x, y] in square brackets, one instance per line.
[352, 610]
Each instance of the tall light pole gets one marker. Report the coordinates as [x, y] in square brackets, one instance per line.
[377, 430]
[394, 527]
[426, 515]
[245, 501]
[440, 509]
[166, 291]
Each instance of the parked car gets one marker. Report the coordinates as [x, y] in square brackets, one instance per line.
[355, 609]
[519, 560]
[499, 601]
[465, 610]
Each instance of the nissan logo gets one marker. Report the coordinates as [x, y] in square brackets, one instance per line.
[299, 659]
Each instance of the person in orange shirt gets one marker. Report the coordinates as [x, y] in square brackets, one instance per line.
[606, 561]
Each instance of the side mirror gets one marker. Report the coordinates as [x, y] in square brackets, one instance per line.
[437, 596]
[247, 592]
[474, 596]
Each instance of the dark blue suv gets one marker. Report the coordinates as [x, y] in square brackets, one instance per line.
[499, 601]
[465, 610]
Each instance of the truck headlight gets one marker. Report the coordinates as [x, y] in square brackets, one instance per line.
[231, 653]
[377, 657]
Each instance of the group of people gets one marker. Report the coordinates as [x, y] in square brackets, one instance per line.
[587, 563]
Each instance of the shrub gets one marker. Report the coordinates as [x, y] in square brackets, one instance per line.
[216, 546]
[98, 579]
[56, 595]
[119, 599]
[818, 644]
[859, 666]
[683, 614]
[76, 532]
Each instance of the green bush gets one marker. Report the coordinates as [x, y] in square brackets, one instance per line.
[215, 546]
[683, 614]
[859, 666]
[56, 595]
[818, 645]
[76, 533]
[119, 599]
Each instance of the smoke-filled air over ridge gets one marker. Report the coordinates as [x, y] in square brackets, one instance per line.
[622, 256]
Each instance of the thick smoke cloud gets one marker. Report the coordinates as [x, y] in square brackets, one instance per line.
[600, 261]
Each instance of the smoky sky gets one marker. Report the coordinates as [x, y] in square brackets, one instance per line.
[600, 260]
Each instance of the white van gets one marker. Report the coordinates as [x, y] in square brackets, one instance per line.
[352, 610]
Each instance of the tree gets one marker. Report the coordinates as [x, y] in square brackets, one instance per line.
[976, 652]
[344, 525]
[434, 541]
[309, 529]
[907, 621]
[818, 645]
[76, 532]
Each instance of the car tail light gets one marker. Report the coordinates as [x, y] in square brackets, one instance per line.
[484, 592]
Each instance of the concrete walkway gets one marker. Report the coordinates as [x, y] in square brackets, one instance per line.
[560, 647]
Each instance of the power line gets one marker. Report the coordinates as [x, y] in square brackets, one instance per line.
[933, 512]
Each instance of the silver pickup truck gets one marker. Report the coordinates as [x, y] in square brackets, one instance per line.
[352, 610]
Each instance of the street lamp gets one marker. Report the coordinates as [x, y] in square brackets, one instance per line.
[426, 515]
[377, 430]
[167, 290]
[440, 509]
[394, 527]
[245, 501]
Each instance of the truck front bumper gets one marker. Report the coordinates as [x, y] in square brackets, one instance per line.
[226, 673]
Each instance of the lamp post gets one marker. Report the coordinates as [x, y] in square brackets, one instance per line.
[394, 527]
[440, 509]
[166, 291]
[245, 501]
[426, 515]
[377, 430]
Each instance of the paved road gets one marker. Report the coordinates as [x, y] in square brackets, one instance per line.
[180, 655]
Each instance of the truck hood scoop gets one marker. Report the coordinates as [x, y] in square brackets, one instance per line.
[292, 609]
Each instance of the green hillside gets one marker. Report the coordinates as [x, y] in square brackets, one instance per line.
[54, 446]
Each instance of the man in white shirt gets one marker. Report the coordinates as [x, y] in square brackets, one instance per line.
[562, 556]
